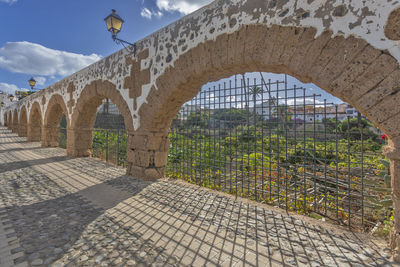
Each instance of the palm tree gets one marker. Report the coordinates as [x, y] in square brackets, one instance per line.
[256, 91]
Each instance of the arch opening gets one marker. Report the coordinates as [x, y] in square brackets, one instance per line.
[55, 123]
[275, 140]
[62, 139]
[82, 139]
[35, 123]
[23, 123]
[5, 119]
[109, 134]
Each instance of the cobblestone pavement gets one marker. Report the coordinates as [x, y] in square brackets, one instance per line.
[60, 211]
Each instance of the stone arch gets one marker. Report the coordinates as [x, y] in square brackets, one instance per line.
[363, 73]
[35, 123]
[56, 108]
[15, 122]
[84, 115]
[23, 123]
[348, 68]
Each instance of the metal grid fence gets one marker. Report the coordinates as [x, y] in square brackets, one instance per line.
[108, 145]
[284, 146]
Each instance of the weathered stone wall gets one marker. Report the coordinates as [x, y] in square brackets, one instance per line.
[348, 48]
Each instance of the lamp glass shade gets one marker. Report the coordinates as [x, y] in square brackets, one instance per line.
[114, 22]
[11, 97]
[32, 82]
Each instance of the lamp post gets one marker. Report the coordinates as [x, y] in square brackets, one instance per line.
[114, 24]
[32, 83]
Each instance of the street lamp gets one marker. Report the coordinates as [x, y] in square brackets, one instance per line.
[114, 24]
[32, 83]
[1, 104]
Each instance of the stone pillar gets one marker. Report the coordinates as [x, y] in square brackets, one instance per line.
[34, 133]
[22, 130]
[79, 142]
[147, 155]
[392, 151]
[50, 136]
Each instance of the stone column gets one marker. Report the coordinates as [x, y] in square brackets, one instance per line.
[34, 133]
[392, 151]
[22, 131]
[79, 142]
[147, 154]
[50, 136]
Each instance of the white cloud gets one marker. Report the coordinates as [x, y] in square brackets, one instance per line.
[8, 1]
[10, 88]
[35, 59]
[211, 97]
[40, 80]
[148, 14]
[182, 6]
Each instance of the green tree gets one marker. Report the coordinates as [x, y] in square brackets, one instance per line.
[354, 127]
[231, 117]
[197, 118]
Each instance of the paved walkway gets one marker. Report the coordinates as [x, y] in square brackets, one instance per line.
[60, 211]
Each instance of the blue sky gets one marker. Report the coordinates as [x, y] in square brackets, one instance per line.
[51, 39]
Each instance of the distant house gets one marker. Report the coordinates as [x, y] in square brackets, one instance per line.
[347, 111]
[311, 113]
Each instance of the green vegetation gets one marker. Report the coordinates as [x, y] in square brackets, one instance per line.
[110, 146]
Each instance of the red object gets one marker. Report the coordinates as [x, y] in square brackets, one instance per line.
[383, 137]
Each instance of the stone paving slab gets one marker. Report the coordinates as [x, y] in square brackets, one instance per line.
[60, 211]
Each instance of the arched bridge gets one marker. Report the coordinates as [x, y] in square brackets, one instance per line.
[348, 48]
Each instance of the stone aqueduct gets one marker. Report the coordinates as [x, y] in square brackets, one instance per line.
[348, 48]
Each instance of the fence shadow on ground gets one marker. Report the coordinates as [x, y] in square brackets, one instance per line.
[194, 226]
[48, 229]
